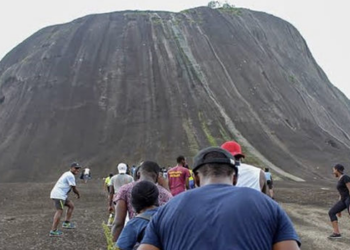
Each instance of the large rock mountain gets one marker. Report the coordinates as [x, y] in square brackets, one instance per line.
[129, 86]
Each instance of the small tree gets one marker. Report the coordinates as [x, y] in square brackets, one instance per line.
[214, 4]
[226, 5]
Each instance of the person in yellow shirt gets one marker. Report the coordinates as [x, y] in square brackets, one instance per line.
[107, 183]
[190, 179]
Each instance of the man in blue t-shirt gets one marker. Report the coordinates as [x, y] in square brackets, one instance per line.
[218, 215]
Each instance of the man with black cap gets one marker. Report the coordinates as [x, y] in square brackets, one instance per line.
[59, 194]
[218, 215]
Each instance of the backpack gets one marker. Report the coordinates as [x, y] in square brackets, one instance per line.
[140, 236]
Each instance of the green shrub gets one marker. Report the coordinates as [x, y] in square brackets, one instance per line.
[108, 235]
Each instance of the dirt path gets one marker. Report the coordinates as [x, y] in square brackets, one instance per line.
[26, 214]
[307, 204]
[313, 227]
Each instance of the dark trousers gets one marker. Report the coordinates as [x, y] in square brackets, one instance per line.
[337, 208]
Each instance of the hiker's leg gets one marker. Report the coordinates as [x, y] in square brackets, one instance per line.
[70, 209]
[337, 208]
[59, 210]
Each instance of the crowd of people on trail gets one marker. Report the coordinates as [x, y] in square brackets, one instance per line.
[218, 203]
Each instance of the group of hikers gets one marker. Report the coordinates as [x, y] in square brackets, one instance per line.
[229, 204]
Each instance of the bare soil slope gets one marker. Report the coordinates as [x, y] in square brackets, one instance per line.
[27, 212]
[26, 215]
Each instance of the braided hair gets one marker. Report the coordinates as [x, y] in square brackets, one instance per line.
[144, 194]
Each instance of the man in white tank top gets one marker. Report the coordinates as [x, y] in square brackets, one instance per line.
[248, 175]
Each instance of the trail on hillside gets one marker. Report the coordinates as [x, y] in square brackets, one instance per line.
[27, 213]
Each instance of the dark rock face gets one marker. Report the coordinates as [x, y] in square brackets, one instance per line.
[130, 86]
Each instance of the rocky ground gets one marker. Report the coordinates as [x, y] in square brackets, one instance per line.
[26, 213]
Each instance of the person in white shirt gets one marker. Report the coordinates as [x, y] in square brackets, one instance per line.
[59, 194]
[86, 175]
[117, 181]
[249, 176]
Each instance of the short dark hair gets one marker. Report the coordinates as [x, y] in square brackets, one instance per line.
[267, 169]
[180, 158]
[217, 169]
[136, 173]
[150, 169]
[339, 168]
[144, 194]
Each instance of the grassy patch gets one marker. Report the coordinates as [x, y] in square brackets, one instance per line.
[224, 134]
[291, 78]
[231, 10]
[206, 131]
[108, 235]
[193, 145]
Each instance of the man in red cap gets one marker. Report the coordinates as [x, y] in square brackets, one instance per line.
[249, 176]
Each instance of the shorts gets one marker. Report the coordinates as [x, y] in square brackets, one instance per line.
[59, 204]
[270, 184]
[86, 177]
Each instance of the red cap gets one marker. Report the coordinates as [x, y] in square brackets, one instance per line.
[233, 147]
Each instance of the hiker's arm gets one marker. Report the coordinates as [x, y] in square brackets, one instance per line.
[286, 245]
[75, 190]
[263, 183]
[119, 219]
[110, 202]
[150, 247]
[348, 186]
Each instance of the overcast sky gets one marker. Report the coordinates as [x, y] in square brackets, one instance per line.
[325, 25]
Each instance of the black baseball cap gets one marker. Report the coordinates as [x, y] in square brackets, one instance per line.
[75, 165]
[199, 160]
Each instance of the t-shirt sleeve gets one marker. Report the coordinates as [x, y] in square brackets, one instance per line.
[121, 195]
[127, 238]
[285, 230]
[71, 180]
[164, 195]
[151, 235]
[346, 179]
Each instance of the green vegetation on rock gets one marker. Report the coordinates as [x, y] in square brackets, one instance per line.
[206, 131]
[224, 7]
[193, 145]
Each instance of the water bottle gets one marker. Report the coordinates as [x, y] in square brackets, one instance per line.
[110, 219]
